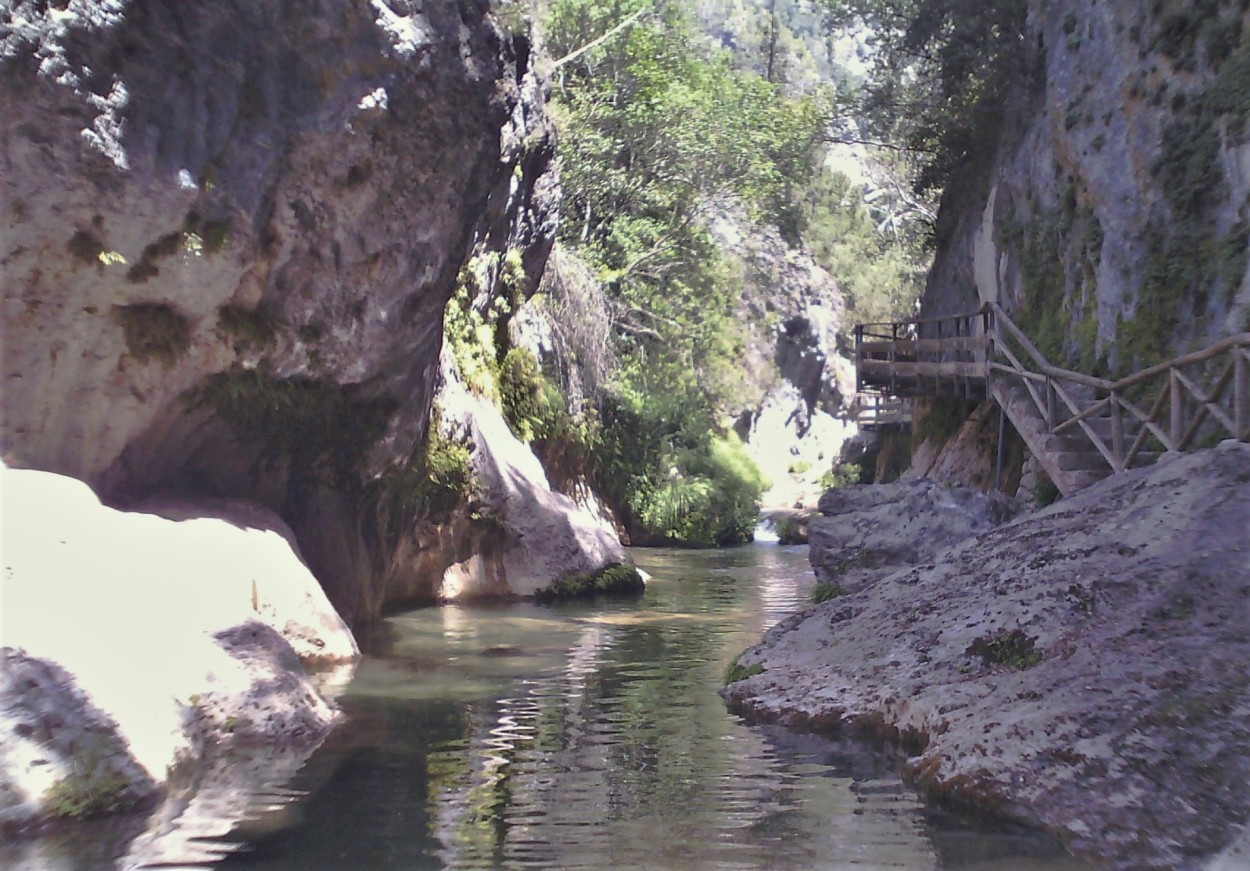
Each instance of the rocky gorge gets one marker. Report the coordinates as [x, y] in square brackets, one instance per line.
[263, 266]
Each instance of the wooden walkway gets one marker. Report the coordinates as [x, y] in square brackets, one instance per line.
[1080, 427]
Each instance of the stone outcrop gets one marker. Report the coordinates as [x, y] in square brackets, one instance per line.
[516, 537]
[229, 232]
[135, 645]
[1113, 218]
[864, 529]
[1083, 669]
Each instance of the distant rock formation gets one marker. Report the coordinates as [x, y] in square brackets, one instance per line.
[796, 379]
[1085, 669]
[862, 530]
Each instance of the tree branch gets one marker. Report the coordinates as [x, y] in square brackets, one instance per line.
[574, 55]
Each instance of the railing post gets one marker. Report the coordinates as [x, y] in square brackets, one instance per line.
[1176, 398]
[1117, 432]
[859, 358]
[1241, 393]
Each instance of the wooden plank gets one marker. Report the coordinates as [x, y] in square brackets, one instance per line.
[1241, 394]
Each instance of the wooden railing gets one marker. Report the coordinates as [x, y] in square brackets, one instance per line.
[1186, 402]
[1190, 401]
[875, 409]
[920, 357]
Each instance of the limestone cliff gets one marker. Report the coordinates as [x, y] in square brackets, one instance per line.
[1115, 218]
[229, 232]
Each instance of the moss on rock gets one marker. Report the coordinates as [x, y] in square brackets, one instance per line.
[613, 580]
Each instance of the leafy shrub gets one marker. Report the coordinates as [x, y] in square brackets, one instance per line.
[826, 590]
[710, 496]
[1013, 649]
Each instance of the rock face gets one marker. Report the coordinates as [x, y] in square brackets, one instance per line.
[865, 529]
[796, 380]
[518, 536]
[230, 230]
[1084, 669]
[1114, 216]
[134, 644]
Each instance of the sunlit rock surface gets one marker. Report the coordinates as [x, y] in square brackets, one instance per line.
[157, 639]
[518, 537]
[1085, 669]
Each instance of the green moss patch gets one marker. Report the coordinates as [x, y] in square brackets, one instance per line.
[1013, 649]
[826, 590]
[249, 329]
[321, 425]
[153, 331]
[737, 671]
[613, 580]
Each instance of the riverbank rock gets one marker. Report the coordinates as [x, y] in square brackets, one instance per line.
[147, 643]
[864, 529]
[1085, 669]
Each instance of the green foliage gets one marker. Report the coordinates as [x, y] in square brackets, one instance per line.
[844, 475]
[1046, 492]
[154, 331]
[471, 331]
[613, 580]
[322, 426]
[939, 419]
[655, 128]
[433, 483]
[709, 498]
[880, 273]
[737, 671]
[948, 75]
[826, 590]
[91, 787]
[1013, 649]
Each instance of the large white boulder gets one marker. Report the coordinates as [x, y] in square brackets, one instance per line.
[166, 634]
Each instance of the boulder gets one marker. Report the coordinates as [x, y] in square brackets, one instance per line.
[1085, 669]
[158, 639]
[867, 528]
[542, 536]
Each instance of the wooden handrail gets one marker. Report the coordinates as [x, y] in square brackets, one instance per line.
[969, 354]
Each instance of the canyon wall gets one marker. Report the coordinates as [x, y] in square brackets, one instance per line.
[1114, 221]
[229, 231]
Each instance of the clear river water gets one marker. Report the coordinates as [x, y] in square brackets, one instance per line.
[570, 736]
[591, 736]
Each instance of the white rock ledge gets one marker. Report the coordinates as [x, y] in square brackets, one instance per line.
[134, 642]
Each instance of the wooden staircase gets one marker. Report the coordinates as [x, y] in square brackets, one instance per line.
[1081, 428]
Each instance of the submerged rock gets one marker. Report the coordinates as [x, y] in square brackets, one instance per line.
[863, 529]
[134, 644]
[1085, 669]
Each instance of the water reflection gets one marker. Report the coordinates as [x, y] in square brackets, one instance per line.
[243, 786]
[589, 737]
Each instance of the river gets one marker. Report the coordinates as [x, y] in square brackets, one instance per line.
[591, 736]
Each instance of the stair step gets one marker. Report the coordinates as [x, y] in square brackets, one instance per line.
[1072, 461]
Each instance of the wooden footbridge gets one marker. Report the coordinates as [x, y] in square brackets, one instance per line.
[1081, 428]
